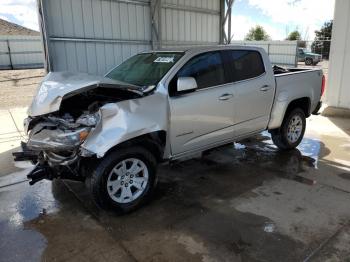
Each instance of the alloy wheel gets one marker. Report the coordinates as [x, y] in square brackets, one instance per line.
[127, 180]
[295, 128]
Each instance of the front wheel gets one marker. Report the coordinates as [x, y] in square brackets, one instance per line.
[290, 134]
[124, 180]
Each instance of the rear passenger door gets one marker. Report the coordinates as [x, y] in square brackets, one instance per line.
[254, 90]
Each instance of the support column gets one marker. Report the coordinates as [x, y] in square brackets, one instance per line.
[156, 29]
[226, 15]
[9, 52]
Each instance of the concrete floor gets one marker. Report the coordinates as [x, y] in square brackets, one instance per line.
[245, 202]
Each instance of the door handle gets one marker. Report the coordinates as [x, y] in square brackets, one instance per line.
[225, 97]
[265, 88]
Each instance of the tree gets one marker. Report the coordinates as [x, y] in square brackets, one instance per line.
[257, 33]
[295, 35]
[322, 42]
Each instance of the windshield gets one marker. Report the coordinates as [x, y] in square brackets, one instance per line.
[145, 69]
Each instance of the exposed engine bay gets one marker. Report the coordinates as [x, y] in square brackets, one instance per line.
[54, 139]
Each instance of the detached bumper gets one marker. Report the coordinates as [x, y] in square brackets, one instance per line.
[40, 171]
[43, 169]
[26, 154]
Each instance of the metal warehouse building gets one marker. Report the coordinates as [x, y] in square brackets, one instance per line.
[94, 35]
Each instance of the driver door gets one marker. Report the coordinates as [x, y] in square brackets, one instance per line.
[205, 116]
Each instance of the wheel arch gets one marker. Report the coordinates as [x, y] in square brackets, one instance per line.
[281, 109]
[153, 142]
[304, 103]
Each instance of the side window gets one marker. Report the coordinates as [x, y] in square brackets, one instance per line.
[207, 69]
[244, 64]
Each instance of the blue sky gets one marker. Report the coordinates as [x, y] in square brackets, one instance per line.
[277, 16]
[22, 12]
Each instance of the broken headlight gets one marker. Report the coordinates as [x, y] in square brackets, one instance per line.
[56, 140]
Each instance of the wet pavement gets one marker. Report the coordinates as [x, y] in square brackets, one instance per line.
[242, 202]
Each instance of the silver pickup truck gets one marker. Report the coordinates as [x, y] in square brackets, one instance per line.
[112, 131]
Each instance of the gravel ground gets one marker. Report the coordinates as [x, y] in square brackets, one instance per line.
[17, 87]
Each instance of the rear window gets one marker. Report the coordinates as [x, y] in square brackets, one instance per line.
[244, 64]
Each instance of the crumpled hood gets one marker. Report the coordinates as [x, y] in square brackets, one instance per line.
[58, 84]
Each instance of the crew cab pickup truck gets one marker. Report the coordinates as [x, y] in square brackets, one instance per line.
[112, 131]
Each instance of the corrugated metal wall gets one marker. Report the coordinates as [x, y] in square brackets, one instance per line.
[338, 91]
[190, 22]
[20, 51]
[280, 52]
[95, 35]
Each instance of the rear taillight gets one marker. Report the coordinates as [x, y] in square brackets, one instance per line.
[323, 87]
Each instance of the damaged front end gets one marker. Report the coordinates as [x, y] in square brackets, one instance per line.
[54, 145]
[55, 138]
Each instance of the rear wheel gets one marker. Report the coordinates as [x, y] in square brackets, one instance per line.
[290, 134]
[124, 180]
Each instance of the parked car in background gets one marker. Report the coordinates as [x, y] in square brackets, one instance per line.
[308, 57]
[158, 106]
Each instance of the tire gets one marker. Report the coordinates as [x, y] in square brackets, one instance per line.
[284, 137]
[309, 61]
[115, 172]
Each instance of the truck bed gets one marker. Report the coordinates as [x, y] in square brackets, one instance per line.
[277, 70]
[292, 84]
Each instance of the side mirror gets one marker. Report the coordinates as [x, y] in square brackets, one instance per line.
[186, 84]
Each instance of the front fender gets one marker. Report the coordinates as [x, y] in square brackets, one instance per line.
[125, 120]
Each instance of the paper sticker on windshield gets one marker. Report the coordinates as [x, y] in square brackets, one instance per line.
[164, 60]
